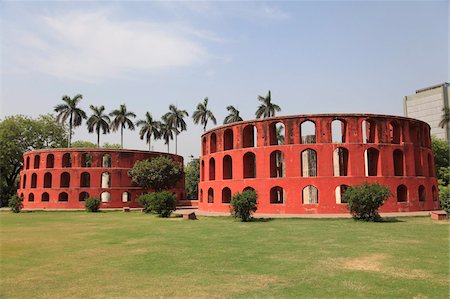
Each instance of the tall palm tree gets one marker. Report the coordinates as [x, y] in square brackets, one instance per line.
[98, 121]
[233, 116]
[149, 127]
[266, 109]
[175, 119]
[70, 110]
[445, 120]
[202, 114]
[122, 119]
[166, 130]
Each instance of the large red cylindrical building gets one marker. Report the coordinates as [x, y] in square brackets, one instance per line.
[63, 178]
[302, 164]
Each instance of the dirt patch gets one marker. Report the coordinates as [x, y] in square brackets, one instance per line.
[372, 263]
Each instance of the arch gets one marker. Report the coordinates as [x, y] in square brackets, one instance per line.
[228, 140]
[308, 132]
[212, 169]
[371, 161]
[105, 197]
[85, 179]
[339, 193]
[226, 195]
[45, 197]
[106, 180]
[33, 180]
[64, 180]
[86, 160]
[50, 161]
[27, 163]
[202, 171]
[434, 193]
[47, 180]
[309, 163]
[369, 131]
[310, 195]
[126, 196]
[249, 163]
[422, 193]
[212, 143]
[277, 133]
[398, 162]
[227, 168]
[249, 136]
[31, 197]
[83, 196]
[24, 183]
[431, 166]
[210, 195]
[201, 195]
[248, 188]
[402, 193]
[277, 167]
[340, 161]
[63, 196]
[106, 161]
[277, 195]
[204, 145]
[66, 160]
[37, 161]
[394, 132]
[338, 131]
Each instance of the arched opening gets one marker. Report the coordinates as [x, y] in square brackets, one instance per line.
[106, 180]
[369, 131]
[394, 132]
[24, 183]
[308, 132]
[67, 160]
[371, 161]
[202, 178]
[47, 180]
[33, 180]
[213, 143]
[83, 196]
[50, 163]
[106, 161]
[338, 131]
[27, 163]
[277, 168]
[105, 197]
[210, 195]
[430, 166]
[434, 193]
[31, 197]
[422, 193]
[249, 161]
[414, 133]
[277, 133]
[226, 195]
[339, 193]
[227, 168]
[212, 169]
[402, 193]
[85, 180]
[228, 139]
[126, 196]
[340, 161]
[310, 195]
[398, 162]
[64, 180]
[277, 195]
[45, 197]
[201, 195]
[37, 161]
[63, 196]
[249, 136]
[86, 160]
[248, 189]
[309, 163]
[204, 145]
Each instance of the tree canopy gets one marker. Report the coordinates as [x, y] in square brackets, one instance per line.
[192, 174]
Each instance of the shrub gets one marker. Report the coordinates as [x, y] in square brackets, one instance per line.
[365, 199]
[144, 199]
[243, 205]
[92, 204]
[162, 203]
[15, 203]
[444, 197]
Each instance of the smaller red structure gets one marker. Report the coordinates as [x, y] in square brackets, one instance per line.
[64, 178]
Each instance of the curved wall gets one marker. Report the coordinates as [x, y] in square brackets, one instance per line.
[306, 165]
[63, 178]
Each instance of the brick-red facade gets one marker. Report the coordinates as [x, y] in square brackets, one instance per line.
[306, 173]
[62, 178]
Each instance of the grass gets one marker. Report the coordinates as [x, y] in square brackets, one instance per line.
[134, 255]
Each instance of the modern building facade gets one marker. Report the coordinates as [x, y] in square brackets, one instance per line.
[427, 104]
[302, 164]
[64, 178]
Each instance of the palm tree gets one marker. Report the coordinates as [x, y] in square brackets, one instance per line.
[149, 127]
[98, 121]
[122, 119]
[202, 114]
[70, 110]
[175, 119]
[266, 109]
[233, 116]
[445, 120]
[166, 131]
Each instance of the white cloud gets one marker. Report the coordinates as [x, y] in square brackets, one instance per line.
[273, 13]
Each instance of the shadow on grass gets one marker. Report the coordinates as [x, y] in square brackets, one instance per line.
[261, 219]
[389, 220]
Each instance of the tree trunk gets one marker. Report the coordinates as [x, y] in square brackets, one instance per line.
[149, 144]
[98, 137]
[70, 131]
[176, 143]
[121, 137]
[167, 146]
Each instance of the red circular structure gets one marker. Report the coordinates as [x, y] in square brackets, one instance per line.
[63, 178]
[302, 164]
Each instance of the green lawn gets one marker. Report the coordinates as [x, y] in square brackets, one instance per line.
[134, 255]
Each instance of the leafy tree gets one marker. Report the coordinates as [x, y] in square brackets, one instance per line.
[441, 159]
[149, 127]
[175, 119]
[441, 152]
[192, 174]
[83, 144]
[162, 203]
[244, 204]
[266, 108]
[365, 199]
[233, 116]
[92, 204]
[15, 203]
[202, 114]
[111, 145]
[121, 120]
[69, 110]
[160, 173]
[98, 121]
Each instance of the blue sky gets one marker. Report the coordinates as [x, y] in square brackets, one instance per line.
[315, 57]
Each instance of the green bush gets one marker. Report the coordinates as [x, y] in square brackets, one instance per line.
[365, 199]
[144, 199]
[162, 203]
[92, 204]
[243, 205]
[15, 203]
[444, 197]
